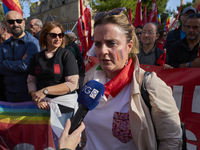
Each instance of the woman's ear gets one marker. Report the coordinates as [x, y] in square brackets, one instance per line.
[129, 46]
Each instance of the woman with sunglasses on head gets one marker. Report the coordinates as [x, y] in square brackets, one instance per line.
[53, 77]
[122, 120]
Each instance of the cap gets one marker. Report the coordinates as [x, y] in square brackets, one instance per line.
[187, 9]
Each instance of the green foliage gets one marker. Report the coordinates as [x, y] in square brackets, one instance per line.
[1, 12]
[105, 5]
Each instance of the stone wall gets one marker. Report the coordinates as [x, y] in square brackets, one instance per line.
[65, 12]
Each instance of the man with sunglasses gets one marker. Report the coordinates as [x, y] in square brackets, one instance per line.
[186, 52]
[35, 26]
[16, 55]
[178, 34]
[138, 32]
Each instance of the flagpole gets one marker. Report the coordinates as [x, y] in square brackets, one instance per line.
[74, 26]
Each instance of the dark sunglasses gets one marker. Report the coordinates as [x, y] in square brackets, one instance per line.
[31, 25]
[54, 35]
[194, 16]
[139, 33]
[116, 11]
[19, 21]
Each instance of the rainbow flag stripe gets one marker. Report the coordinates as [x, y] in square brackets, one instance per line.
[24, 123]
[119, 55]
[9, 5]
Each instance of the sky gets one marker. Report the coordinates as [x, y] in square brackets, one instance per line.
[172, 4]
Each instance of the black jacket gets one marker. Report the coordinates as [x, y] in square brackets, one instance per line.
[79, 57]
[180, 53]
[172, 36]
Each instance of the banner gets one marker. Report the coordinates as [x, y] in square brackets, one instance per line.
[23, 126]
[185, 83]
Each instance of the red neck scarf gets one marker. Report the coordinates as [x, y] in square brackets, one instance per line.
[116, 84]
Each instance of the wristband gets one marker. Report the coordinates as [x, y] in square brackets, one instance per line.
[190, 64]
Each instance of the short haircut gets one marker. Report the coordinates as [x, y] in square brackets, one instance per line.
[39, 23]
[153, 24]
[48, 26]
[3, 26]
[139, 27]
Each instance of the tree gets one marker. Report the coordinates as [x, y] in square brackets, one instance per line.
[105, 5]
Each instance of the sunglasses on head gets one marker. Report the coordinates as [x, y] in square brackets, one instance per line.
[116, 11]
[194, 15]
[54, 35]
[19, 21]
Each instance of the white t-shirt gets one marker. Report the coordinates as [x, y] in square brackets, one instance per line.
[108, 127]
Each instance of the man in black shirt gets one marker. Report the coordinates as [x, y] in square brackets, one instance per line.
[185, 53]
[176, 35]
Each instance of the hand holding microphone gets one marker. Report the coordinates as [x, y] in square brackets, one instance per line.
[88, 98]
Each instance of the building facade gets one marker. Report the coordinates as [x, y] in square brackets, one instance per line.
[66, 12]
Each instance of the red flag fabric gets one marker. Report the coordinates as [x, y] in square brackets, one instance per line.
[144, 18]
[161, 60]
[87, 15]
[138, 14]
[153, 15]
[149, 15]
[9, 5]
[129, 15]
[85, 43]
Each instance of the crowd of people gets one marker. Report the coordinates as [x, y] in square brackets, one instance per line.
[43, 66]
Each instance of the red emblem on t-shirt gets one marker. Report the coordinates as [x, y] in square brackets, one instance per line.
[37, 70]
[56, 69]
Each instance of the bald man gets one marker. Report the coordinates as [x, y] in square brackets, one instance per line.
[35, 26]
[16, 55]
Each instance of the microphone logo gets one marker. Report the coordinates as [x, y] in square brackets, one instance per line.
[91, 92]
[94, 93]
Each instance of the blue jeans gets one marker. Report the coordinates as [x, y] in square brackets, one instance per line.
[18, 96]
[63, 120]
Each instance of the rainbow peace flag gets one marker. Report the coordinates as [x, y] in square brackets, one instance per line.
[24, 126]
[159, 20]
[168, 22]
[9, 5]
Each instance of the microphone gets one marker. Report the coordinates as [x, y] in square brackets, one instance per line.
[88, 98]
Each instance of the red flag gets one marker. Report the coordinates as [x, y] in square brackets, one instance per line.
[161, 60]
[153, 15]
[149, 15]
[9, 5]
[144, 18]
[85, 43]
[87, 15]
[129, 15]
[138, 14]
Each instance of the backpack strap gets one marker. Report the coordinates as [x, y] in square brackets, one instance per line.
[144, 92]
